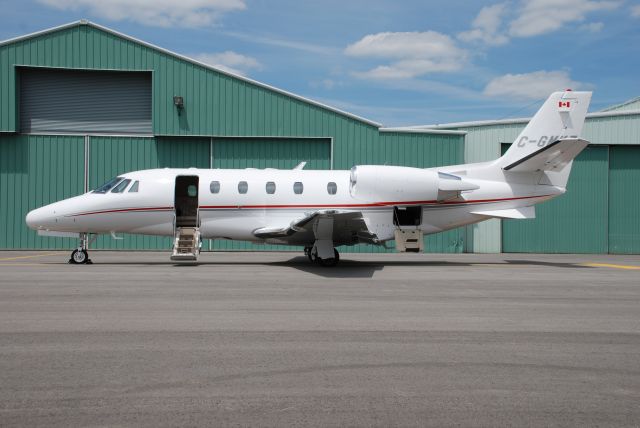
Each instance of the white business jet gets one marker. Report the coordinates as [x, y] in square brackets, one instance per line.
[321, 210]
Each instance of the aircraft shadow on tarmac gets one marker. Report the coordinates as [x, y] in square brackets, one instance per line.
[345, 269]
[356, 268]
[366, 269]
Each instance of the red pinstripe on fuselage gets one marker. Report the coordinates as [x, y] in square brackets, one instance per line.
[319, 206]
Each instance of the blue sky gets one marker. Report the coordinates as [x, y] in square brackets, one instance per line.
[395, 62]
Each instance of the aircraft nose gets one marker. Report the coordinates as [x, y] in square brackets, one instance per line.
[39, 217]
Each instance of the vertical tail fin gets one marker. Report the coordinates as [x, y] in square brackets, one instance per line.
[561, 117]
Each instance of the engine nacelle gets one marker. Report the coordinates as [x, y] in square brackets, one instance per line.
[381, 183]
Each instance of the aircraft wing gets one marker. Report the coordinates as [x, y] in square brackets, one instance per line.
[348, 228]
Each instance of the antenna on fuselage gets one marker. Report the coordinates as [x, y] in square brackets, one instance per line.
[301, 165]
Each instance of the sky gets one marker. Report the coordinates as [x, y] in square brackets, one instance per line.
[396, 62]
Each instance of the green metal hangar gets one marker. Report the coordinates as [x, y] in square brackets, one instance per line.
[600, 213]
[82, 103]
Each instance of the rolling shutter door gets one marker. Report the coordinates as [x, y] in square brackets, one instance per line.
[79, 101]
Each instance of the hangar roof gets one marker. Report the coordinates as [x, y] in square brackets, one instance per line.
[605, 113]
[191, 60]
[632, 104]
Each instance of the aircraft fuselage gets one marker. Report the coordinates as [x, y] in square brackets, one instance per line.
[246, 200]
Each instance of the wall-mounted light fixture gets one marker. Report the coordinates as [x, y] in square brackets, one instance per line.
[179, 103]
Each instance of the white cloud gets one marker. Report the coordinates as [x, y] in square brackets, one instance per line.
[411, 54]
[328, 84]
[284, 43]
[487, 26]
[229, 61]
[162, 13]
[593, 27]
[495, 24]
[538, 17]
[535, 85]
[635, 11]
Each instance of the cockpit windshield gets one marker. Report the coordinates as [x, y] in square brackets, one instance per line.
[108, 185]
[121, 186]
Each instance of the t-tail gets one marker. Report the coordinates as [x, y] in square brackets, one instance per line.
[551, 140]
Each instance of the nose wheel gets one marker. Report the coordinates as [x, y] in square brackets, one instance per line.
[80, 256]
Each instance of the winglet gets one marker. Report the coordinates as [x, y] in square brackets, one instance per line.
[301, 165]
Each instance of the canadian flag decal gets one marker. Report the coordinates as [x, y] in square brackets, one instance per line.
[564, 104]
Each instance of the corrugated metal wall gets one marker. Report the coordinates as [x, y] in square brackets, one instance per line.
[624, 200]
[283, 153]
[613, 130]
[575, 222]
[35, 171]
[598, 214]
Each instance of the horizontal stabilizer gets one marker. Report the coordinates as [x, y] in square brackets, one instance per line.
[553, 157]
[518, 213]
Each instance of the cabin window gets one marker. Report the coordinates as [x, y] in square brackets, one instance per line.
[214, 187]
[332, 188]
[121, 186]
[243, 187]
[298, 188]
[108, 185]
[192, 190]
[270, 187]
[134, 187]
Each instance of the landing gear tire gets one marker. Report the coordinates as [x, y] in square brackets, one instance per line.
[329, 262]
[79, 257]
[307, 252]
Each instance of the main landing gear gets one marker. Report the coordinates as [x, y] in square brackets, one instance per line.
[80, 256]
[312, 255]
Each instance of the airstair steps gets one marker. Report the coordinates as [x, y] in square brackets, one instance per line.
[409, 240]
[186, 245]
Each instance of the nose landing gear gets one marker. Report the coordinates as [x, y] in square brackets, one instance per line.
[80, 256]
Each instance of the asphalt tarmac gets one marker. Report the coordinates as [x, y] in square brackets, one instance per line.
[269, 339]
